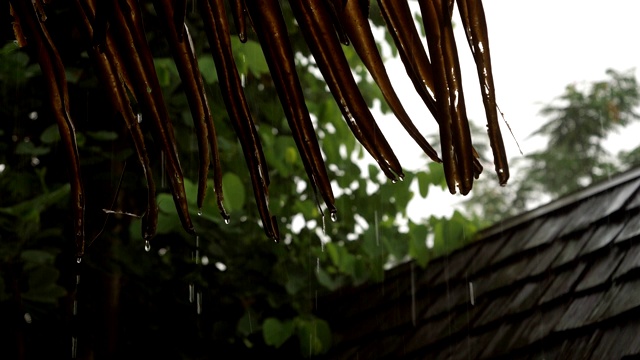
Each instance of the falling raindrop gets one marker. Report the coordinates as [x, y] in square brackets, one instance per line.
[147, 246]
[78, 259]
[199, 303]
[139, 117]
[334, 216]
[163, 180]
[220, 266]
[75, 307]
[323, 225]
[33, 115]
[74, 347]
[191, 292]
[375, 222]
[472, 297]
[27, 318]
[317, 265]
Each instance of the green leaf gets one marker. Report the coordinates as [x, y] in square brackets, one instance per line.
[276, 332]
[38, 257]
[418, 244]
[246, 324]
[249, 57]
[50, 135]
[28, 148]
[423, 183]
[325, 280]
[314, 335]
[234, 192]
[208, 69]
[43, 287]
[166, 69]
[102, 135]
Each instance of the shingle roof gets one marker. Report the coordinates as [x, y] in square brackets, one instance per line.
[561, 281]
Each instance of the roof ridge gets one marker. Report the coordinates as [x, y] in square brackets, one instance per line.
[564, 201]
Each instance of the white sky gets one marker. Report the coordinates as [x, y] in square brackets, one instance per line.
[537, 49]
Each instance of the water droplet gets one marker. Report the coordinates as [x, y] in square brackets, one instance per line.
[375, 224]
[27, 318]
[472, 297]
[323, 225]
[74, 347]
[205, 260]
[199, 303]
[33, 115]
[401, 177]
[220, 266]
[139, 118]
[200, 212]
[191, 292]
[78, 259]
[393, 181]
[227, 220]
[334, 216]
[147, 246]
[148, 89]
[163, 180]
[317, 265]
[75, 307]
[77, 280]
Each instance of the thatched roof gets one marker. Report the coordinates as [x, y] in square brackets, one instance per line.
[561, 281]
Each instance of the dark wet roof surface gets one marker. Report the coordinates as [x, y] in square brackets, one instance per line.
[561, 281]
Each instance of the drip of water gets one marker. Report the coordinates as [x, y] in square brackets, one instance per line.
[323, 226]
[139, 118]
[199, 303]
[163, 179]
[200, 212]
[147, 246]
[74, 347]
[375, 223]
[472, 297]
[317, 265]
[74, 338]
[192, 289]
[227, 220]
[334, 216]
[78, 260]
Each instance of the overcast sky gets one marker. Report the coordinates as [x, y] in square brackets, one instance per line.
[537, 49]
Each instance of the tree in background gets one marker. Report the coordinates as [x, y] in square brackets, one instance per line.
[579, 122]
